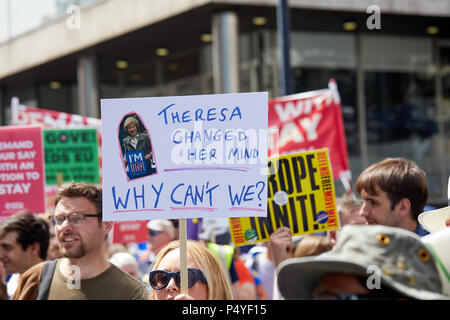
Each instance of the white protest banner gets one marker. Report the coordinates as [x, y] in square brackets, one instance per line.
[192, 156]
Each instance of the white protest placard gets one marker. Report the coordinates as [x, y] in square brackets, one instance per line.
[185, 156]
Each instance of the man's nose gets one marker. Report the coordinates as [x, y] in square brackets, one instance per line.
[364, 211]
[66, 225]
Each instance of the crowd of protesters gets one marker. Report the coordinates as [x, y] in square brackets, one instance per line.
[381, 251]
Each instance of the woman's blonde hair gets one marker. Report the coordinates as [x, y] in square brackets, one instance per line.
[131, 120]
[219, 285]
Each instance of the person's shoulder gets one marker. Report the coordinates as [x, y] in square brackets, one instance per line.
[136, 288]
[28, 283]
[123, 275]
[34, 270]
[420, 231]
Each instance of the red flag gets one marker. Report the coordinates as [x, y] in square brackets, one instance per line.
[24, 115]
[307, 121]
[49, 119]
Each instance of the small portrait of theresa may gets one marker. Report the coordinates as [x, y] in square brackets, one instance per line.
[136, 147]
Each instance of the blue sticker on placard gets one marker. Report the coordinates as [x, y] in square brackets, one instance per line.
[137, 166]
[322, 217]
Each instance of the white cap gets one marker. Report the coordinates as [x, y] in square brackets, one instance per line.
[162, 225]
[121, 259]
[435, 220]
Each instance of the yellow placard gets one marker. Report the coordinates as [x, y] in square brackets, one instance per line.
[301, 196]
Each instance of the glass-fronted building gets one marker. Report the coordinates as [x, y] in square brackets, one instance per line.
[394, 79]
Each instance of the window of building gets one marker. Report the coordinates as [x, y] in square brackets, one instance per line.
[400, 96]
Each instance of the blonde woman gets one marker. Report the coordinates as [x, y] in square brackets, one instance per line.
[136, 141]
[207, 280]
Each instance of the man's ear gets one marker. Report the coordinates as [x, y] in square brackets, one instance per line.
[35, 248]
[107, 226]
[403, 207]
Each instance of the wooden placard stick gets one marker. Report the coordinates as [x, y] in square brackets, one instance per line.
[183, 256]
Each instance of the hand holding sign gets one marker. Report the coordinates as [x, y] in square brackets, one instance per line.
[300, 196]
[281, 245]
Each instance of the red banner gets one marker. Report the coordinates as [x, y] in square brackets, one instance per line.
[49, 119]
[130, 231]
[308, 121]
[22, 173]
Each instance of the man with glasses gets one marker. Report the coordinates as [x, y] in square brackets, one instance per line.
[83, 272]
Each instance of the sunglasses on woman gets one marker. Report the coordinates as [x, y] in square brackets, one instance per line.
[159, 279]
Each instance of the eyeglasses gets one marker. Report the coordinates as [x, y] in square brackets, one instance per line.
[153, 232]
[76, 219]
[159, 279]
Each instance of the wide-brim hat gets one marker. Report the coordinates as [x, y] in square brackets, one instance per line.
[404, 263]
[435, 220]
